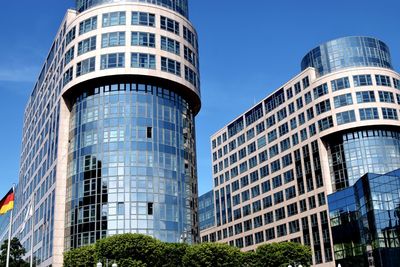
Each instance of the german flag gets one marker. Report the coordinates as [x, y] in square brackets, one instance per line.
[7, 203]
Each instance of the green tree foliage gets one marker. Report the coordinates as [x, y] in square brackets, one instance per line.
[212, 255]
[17, 251]
[131, 246]
[81, 257]
[134, 250]
[282, 254]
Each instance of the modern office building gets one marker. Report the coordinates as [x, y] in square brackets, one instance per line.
[109, 133]
[365, 221]
[275, 165]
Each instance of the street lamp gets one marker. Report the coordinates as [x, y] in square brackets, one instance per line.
[99, 264]
[114, 265]
[339, 265]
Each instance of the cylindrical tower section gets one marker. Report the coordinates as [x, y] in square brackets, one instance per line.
[131, 81]
[353, 51]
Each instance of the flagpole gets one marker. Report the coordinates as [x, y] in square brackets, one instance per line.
[32, 227]
[9, 234]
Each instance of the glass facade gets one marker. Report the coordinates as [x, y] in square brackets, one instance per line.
[348, 52]
[365, 221]
[351, 155]
[206, 210]
[180, 6]
[131, 165]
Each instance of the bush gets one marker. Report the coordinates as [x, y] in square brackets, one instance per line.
[81, 257]
[212, 255]
[282, 254]
[141, 248]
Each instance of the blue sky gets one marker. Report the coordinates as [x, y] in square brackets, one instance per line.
[247, 49]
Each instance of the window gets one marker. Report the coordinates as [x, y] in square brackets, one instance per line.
[369, 114]
[282, 114]
[144, 19]
[85, 66]
[263, 156]
[250, 134]
[280, 214]
[261, 142]
[256, 206]
[302, 118]
[253, 162]
[143, 39]
[260, 127]
[386, 97]
[251, 148]
[343, 100]
[110, 61]
[113, 19]
[295, 139]
[276, 181]
[293, 124]
[68, 75]
[273, 151]
[365, 97]
[325, 123]
[289, 93]
[278, 197]
[362, 80]
[345, 117]
[267, 202]
[285, 144]
[190, 37]
[340, 84]
[271, 121]
[266, 186]
[112, 39]
[190, 56]
[281, 230]
[389, 113]
[269, 234]
[288, 176]
[140, 60]
[320, 90]
[308, 98]
[383, 80]
[291, 108]
[396, 83]
[287, 160]
[299, 103]
[290, 192]
[292, 209]
[297, 88]
[150, 208]
[88, 25]
[171, 66]
[170, 45]
[191, 76]
[310, 113]
[87, 45]
[294, 226]
[306, 82]
[283, 129]
[69, 55]
[70, 36]
[169, 25]
[323, 106]
[321, 199]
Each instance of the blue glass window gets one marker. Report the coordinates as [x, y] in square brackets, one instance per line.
[362, 80]
[141, 60]
[143, 39]
[143, 18]
[114, 19]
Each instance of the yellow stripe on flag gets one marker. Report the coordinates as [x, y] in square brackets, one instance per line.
[9, 206]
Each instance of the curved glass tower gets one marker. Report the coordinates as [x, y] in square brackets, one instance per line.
[131, 158]
[109, 131]
[347, 52]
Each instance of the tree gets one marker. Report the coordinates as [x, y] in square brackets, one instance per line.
[81, 257]
[212, 255]
[140, 248]
[282, 254]
[173, 253]
[17, 251]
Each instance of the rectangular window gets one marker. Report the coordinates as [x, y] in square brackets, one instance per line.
[169, 25]
[68, 75]
[345, 117]
[299, 103]
[191, 76]
[306, 82]
[383, 80]
[150, 208]
[320, 90]
[289, 93]
[88, 25]
[396, 83]
[340, 84]
[144, 19]
[283, 129]
[143, 39]
[308, 98]
[115, 60]
[343, 100]
[362, 80]
[369, 114]
[365, 97]
[70, 36]
[386, 97]
[170, 45]
[190, 56]
[323, 107]
[87, 45]
[297, 88]
[190, 37]
[69, 55]
[171, 66]
[112, 39]
[114, 19]
[389, 114]
[271, 121]
[325, 123]
[85, 66]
